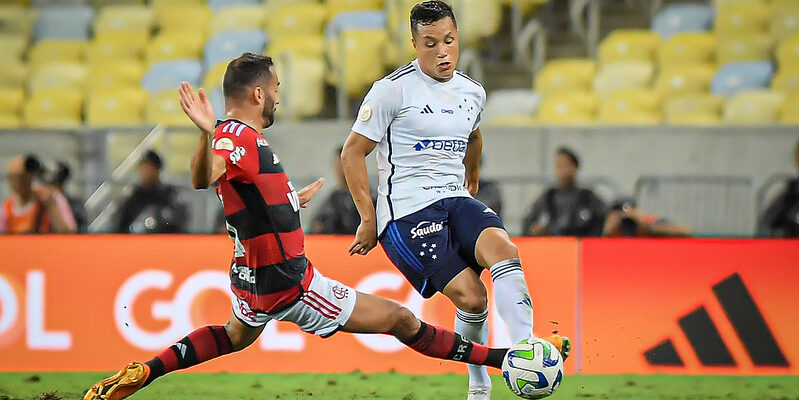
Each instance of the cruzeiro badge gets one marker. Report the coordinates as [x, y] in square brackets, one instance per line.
[366, 113]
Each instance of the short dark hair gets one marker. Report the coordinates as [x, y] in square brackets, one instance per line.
[150, 156]
[243, 72]
[571, 154]
[429, 12]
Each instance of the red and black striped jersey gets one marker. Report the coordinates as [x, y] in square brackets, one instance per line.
[269, 270]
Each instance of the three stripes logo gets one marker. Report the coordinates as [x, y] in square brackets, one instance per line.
[427, 110]
[703, 336]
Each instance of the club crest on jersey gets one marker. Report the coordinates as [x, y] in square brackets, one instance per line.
[366, 113]
[224, 144]
[426, 228]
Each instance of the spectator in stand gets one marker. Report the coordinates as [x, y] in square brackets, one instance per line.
[489, 193]
[337, 215]
[565, 209]
[781, 218]
[58, 178]
[625, 220]
[153, 207]
[33, 206]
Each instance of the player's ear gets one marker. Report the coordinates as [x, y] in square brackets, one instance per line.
[258, 95]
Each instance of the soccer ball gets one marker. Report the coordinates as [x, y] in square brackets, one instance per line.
[533, 368]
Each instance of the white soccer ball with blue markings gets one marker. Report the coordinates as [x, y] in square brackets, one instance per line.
[533, 368]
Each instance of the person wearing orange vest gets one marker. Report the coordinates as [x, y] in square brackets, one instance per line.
[33, 208]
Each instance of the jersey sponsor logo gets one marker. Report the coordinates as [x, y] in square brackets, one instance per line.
[427, 110]
[237, 154]
[224, 144]
[244, 274]
[365, 113]
[426, 228]
[455, 146]
[261, 142]
[445, 188]
[445, 111]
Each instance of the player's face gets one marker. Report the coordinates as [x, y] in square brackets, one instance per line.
[148, 174]
[437, 48]
[565, 170]
[19, 181]
[271, 99]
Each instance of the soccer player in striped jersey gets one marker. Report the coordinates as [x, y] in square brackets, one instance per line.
[269, 273]
[424, 120]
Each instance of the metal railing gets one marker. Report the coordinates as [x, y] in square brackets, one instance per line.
[711, 205]
[584, 16]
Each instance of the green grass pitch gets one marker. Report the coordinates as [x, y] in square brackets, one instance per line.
[53, 386]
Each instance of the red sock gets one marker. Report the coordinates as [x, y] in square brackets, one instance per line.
[437, 342]
[199, 346]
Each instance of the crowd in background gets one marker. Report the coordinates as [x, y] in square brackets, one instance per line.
[38, 205]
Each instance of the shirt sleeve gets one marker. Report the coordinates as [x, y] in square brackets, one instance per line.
[238, 150]
[380, 106]
[482, 107]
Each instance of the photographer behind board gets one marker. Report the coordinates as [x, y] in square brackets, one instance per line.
[625, 220]
[34, 206]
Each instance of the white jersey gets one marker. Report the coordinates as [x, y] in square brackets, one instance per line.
[422, 127]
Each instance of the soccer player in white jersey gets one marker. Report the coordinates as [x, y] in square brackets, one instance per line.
[424, 119]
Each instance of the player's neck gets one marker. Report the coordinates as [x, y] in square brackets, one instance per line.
[253, 121]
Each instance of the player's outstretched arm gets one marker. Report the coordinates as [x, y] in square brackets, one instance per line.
[206, 167]
[307, 193]
[353, 161]
[471, 160]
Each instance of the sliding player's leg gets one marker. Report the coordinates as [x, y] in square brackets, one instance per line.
[199, 346]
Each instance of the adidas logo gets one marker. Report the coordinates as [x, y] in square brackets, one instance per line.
[182, 348]
[704, 338]
[426, 110]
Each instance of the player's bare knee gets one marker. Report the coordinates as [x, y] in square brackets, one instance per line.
[405, 323]
[240, 337]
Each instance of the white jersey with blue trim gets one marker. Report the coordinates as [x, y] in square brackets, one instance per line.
[422, 127]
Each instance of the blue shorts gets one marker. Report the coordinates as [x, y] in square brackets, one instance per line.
[436, 243]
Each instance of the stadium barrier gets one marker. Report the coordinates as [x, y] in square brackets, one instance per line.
[92, 303]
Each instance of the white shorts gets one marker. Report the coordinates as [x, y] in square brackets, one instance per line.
[323, 309]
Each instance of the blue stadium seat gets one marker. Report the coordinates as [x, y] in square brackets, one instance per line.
[733, 78]
[216, 5]
[355, 20]
[168, 75]
[217, 98]
[680, 18]
[227, 45]
[64, 23]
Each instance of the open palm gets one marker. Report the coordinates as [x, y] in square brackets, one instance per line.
[198, 108]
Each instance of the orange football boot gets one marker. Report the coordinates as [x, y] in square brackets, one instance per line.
[121, 385]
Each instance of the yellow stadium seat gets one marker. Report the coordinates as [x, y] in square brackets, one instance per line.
[179, 148]
[12, 47]
[13, 74]
[693, 109]
[237, 18]
[629, 45]
[622, 75]
[10, 121]
[215, 75]
[358, 75]
[514, 120]
[60, 75]
[688, 48]
[183, 18]
[743, 48]
[116, 107]
[103, 3]
[790, 111]
[174, 46]
[16, 20]
[124, 18]
[59, 108]
[684, 79]
[788, 52]
[477, 19]
[305, 45]
[786, 80]
[115, 74]
[302, 81]
[50, 50]
[526, 6]
[630, 107]
[754, 107]
[117, 46]
[400, 50]
[11, 101]
[559, 76]
[785, 20]
[724, 3]
[336, 6]
[164, 108]
[157, 4]
[573, 108]
[287, 20]
[742, 18]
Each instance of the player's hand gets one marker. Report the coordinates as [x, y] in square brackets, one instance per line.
[472, 187]
[365, 238]
[307, 193]
[197, 108]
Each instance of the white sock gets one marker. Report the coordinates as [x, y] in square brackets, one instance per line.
[512, 298]
[474, 328]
